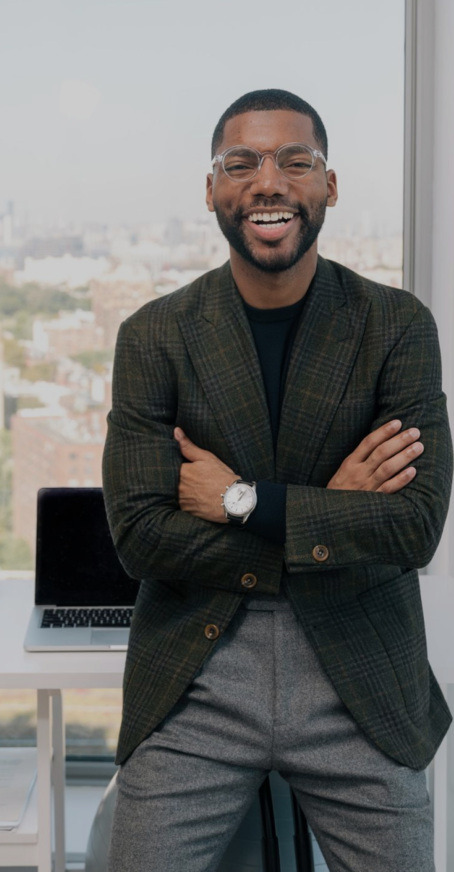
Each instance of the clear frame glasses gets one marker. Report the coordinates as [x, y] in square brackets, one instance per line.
[294, 160]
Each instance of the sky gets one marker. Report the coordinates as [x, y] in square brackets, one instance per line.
[107, 107]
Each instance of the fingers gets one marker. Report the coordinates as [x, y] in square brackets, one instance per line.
[378, 462]
[378, 446]
[391, 457]
[187, 448]
[374, 439]
[398, 482]
[402, 442]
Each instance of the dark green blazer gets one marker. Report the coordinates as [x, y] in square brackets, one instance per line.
[364, 354]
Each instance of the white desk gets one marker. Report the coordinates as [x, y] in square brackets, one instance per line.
[49, 673]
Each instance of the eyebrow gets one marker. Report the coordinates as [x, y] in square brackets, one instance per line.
[270, 150]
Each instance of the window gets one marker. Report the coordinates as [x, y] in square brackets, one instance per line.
[103, 209]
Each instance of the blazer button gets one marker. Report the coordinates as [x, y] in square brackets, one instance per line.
[249, 580]
[320, 553]
[211, 631]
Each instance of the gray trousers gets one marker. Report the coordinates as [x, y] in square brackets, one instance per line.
[262, 702]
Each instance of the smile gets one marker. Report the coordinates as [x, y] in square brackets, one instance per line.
[276, 218]
[274, 225]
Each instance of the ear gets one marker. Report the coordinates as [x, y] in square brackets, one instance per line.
[331, 181]
[209, 193]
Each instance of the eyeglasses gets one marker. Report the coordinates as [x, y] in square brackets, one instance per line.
[294, 160]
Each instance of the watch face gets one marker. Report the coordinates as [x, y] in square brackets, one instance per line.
[240, 499]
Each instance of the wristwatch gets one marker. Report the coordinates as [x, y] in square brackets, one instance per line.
[239, 501]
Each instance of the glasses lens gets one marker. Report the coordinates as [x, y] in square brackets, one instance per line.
[295, 161]
[241, 163]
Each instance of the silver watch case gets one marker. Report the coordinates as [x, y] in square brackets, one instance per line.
[233, 517]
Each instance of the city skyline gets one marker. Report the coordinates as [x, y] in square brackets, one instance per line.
[108, 108]
[107, 114]
[62, 302]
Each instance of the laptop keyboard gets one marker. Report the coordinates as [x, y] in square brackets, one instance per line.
[110, 617]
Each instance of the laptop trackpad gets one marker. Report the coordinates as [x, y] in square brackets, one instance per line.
[109, 637]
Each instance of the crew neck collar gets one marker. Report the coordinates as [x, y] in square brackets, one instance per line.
[280, 313]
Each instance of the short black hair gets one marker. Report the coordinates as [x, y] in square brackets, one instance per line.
[268, 99]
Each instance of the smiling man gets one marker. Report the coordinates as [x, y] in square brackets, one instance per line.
[269, 224]
[257, 481]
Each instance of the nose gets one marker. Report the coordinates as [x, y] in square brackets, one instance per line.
[268, 180]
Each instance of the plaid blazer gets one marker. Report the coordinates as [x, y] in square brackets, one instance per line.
[364, 354]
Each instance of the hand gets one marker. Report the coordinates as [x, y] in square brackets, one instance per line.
[202, 481]
[380, 455]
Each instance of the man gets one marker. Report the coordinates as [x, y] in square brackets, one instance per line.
[280, 626]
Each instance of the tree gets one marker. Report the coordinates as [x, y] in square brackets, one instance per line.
[13, 353]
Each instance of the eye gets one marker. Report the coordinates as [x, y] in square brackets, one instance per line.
[240, 163]
[295, 160]
[297, 163]
[233, 167]
[301, 161]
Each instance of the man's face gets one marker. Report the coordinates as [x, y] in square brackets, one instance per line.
[278, 249]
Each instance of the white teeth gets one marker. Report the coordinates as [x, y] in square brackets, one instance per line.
[266, 216]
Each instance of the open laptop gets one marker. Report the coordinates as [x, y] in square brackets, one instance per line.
[83, 597]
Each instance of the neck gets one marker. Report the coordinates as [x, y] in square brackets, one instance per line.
[267, 290]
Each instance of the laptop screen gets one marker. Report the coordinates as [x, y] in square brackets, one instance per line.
[76, 562]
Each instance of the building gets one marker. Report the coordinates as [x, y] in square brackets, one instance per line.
[117, 294]
[2, 387]
[60, 451]
[67, 335]
[65, 271]
[39, 248]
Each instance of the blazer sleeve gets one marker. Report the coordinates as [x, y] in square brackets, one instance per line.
[141, 465]
[365, 527]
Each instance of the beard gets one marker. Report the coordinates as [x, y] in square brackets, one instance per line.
[274, 261]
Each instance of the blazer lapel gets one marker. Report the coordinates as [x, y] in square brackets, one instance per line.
[325, 348]
[223, 353]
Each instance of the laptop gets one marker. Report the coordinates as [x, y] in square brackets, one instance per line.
[84, 599]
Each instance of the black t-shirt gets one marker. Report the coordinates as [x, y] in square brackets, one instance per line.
[274, 332]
